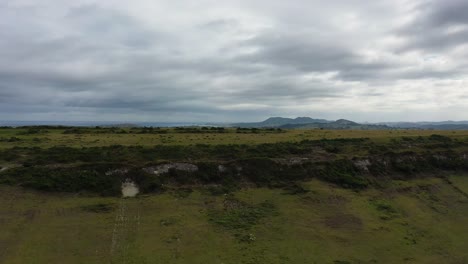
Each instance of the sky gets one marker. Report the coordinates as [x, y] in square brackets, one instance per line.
[229, 61]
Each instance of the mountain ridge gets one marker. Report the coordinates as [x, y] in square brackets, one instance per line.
[308, 122]
[280, 121]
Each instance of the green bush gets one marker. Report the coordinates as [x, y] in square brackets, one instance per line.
[261, 171]
[63, 180]
[343, 173]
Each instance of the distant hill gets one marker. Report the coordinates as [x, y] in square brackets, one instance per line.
[307, 122]
[446, 127]
[345, 122]
[121, 125]
[312, 123]
[338, 124]
[281, 121]
[443, 125]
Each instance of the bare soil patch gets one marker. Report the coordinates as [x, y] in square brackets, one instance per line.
[347, 221]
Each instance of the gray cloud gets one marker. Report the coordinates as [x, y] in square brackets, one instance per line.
[437, 26]
[235, 61]
[299, 52]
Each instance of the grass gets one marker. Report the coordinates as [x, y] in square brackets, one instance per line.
[325, 211]
[325, 225]
[38, 228]
[99, 138]
[460, 182]
[99, 207]
[238, 215]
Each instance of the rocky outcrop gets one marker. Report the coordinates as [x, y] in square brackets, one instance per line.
[292, 161]
[222, 168]
[362, 164]
[117, 172]
[164, 168]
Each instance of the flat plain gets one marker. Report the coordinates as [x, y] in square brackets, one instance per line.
[168, 136]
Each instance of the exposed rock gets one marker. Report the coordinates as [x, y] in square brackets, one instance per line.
[164, 168]
[117, 172]
[293, 161]
[439, 157]
[362, 164]
[221, 168]
[129, 188]
[239, 170]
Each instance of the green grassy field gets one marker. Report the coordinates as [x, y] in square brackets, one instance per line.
[98, 138]
[409, 206]
[419, 221]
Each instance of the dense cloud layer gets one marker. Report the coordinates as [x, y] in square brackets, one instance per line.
[233, 60]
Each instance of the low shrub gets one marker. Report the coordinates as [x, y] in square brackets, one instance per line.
[343, 173]
[63, 180]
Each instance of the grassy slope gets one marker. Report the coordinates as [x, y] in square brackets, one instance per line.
[419, 221]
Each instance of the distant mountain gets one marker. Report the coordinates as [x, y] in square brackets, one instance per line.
[446, 127]
[345, 122]
[311, 123]
[121, 125]
[442, 125]
[281, 121]
[307, 122]
[338, 124]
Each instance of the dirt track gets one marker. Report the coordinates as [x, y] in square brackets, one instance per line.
[127, 221]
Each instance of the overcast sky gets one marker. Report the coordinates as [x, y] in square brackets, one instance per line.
[246, 60]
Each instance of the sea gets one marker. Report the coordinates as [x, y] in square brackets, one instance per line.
[100, 123]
